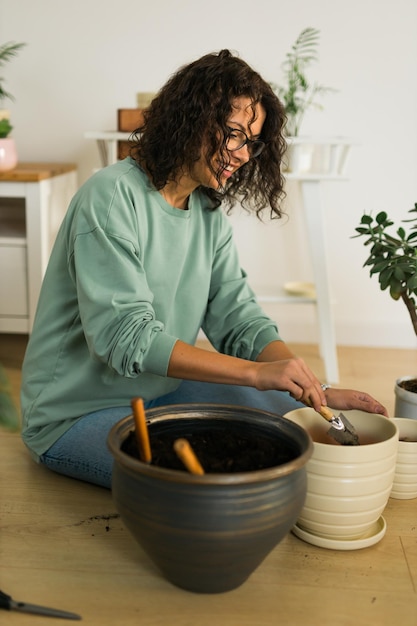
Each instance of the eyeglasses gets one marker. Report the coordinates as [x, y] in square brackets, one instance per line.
[236, 139]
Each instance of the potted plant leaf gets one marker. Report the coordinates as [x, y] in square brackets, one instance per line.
[8, 155]
[393, 258]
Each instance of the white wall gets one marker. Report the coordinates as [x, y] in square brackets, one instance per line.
[87, 58]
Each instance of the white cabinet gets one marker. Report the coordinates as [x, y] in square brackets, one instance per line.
[33, 200]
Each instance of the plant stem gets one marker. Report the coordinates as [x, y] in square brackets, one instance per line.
[411, 309]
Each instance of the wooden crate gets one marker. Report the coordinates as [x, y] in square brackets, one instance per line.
[127, 121]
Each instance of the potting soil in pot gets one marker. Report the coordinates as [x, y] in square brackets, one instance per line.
[219, 448]
[409, 385]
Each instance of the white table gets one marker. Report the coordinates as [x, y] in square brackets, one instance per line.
[313, 162]
[107, 143]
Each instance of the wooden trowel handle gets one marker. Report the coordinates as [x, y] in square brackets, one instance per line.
[326, 413]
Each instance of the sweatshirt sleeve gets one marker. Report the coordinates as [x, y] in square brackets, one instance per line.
[234, 321]
[115, 304]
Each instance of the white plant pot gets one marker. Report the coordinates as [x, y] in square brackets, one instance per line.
[405, 478]
[347, 486]
[317, 156]
[405, 401]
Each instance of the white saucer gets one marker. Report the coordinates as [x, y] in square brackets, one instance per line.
[373, 535]
[301, 289]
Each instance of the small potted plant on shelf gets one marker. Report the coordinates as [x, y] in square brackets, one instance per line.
[8, 155]
[393, 258]
[297, 93]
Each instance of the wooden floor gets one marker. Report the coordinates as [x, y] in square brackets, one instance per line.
[62, 545]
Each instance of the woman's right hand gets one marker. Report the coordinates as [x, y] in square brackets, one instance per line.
[292, 375]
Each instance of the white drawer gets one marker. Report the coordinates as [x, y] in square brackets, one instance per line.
[13, 280]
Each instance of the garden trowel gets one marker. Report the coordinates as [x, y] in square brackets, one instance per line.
[341, 429]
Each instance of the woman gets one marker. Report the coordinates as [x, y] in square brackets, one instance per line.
[145, 258]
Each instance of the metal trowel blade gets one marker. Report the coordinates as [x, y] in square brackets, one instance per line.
[342, 431]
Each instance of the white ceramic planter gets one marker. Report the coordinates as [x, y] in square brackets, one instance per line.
[347, 486]
[405, 401]
[405, 478]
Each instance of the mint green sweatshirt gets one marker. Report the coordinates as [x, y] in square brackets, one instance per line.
[127, 277]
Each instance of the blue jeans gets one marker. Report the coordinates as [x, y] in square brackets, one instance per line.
[82, 451]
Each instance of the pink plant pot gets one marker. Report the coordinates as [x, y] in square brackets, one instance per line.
[8, 154]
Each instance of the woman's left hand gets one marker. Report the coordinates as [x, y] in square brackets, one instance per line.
[345, 399]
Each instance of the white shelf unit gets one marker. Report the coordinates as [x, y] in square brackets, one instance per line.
[313, 162]
[314, 219]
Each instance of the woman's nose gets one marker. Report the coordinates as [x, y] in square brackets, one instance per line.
[243, 153]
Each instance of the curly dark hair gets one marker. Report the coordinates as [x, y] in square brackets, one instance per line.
[192, 109]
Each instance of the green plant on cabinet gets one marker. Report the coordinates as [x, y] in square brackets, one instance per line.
[7, 52]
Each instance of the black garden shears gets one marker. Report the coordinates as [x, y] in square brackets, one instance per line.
[6, 602]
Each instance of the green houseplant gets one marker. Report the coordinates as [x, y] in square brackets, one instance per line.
[8, 154]
[9, 415]
[296, 92]
[7, 52]
[393, 258]
[5, 126]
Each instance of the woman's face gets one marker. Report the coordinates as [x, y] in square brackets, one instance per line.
[240, 118]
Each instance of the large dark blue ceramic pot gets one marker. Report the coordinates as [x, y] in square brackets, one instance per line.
[209, 533]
